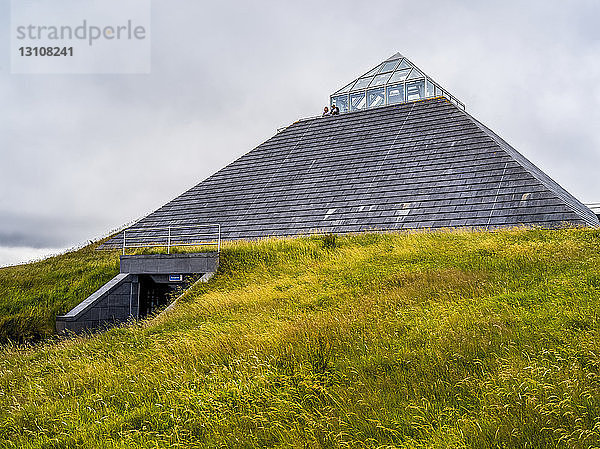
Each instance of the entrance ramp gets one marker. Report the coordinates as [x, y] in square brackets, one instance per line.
[144, 285]
[112, 303]
[146, 281]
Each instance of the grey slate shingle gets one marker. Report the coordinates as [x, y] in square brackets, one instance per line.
[427, 157]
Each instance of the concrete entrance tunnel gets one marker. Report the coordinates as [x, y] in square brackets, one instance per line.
[145, 284]
[156, 292]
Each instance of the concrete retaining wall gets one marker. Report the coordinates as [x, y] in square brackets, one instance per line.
[119, 299]
[115, 302]
[170, 263]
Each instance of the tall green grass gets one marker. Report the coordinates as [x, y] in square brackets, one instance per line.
[31, 295]
[446, 339]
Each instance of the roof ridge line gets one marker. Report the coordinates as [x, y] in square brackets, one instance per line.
[572, 203]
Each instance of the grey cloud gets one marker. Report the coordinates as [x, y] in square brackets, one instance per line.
[37, 231]
[80, 155]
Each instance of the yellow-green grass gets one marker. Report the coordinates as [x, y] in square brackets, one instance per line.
[447, 339]
[31, 295]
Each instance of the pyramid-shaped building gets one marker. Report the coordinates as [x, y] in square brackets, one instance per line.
[403, 154]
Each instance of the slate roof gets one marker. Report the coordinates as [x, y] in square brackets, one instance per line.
[426, 164]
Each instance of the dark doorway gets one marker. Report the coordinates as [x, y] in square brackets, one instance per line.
[153, 295]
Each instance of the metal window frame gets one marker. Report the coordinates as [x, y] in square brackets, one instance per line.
[381, 72]
[350, 92]
[402, 80]
[332, 102]
[364, 92]
[363, 78]
[389, 86]
[389, 75]
[367, 97]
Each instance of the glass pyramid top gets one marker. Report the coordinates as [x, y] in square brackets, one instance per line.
[395, 80]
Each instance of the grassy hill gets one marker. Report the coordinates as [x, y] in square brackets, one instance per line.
[453, 339]
[31, 295]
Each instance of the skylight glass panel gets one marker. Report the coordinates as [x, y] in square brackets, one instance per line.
[415, 74]
[345, 89]
[380, 80]
[429, 89]
[389, 66]
[395, 94]
[341, 101]
[399, 75]
[375, 97]
[395, 80]
[357, 101]
[415, 90]
[374, 71]
[362, 83]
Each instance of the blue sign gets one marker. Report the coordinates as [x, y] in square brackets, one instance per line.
[175, 277]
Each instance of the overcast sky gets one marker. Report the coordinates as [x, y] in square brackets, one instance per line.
[83, 154]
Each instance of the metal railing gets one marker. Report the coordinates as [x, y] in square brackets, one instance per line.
[172, 236]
